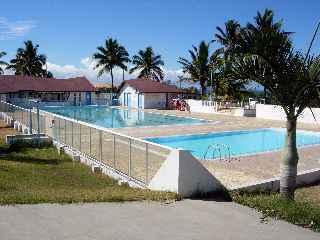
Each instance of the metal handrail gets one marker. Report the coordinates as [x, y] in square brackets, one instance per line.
[217, 147]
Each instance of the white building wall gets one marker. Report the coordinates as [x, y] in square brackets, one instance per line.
[275, 112]
[134, 96]
[154, 100]
[149, 100]
[158, 100]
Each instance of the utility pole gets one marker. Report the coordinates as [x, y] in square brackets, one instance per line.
[211, 84]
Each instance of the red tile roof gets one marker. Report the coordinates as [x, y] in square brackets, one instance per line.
[149, 86]
[16, 83]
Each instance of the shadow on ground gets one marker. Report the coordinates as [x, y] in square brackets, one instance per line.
[220, 196]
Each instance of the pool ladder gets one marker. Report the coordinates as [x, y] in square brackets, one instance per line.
[222, 149]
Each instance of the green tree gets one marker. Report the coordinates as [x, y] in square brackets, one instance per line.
[202, 65]
[265, 22]
[28, 62]
[2, 63]
[228, 38]
[268, 58]
[109, 56]
[148, 64]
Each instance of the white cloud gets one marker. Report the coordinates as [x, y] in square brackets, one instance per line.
[9, 30]
[171, 74]
[87, 69]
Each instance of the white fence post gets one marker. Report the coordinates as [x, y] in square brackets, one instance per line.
[100, 146]
[30, 121]
[114, 150]
[129, 163]
[38, 121]
[147, 163]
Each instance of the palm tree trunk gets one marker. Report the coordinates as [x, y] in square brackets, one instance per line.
[203, 88]
[216, 88]
[111, 73]
[288, 166]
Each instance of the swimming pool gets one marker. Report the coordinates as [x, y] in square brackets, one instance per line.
[236, 142]
[111, 117]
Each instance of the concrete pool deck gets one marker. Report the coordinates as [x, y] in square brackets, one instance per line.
[241, 170]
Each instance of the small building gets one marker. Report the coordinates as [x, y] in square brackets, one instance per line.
[14, 88]
[103, 93]
[144, 93]
[104, 88]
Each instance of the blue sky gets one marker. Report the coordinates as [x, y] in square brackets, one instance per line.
[68, 32]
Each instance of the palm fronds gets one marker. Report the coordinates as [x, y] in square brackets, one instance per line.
[109, 56]
[28, 62]
[148, 64]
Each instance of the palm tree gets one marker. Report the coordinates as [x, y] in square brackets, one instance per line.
[265, 23]
[228, 37]
[201, 64]
[217, 71]
[291, 77]
[110, 56]
[28, 61]
[148, 64]
[2, 63]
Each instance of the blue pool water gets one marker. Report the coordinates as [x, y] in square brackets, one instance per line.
[118, 118]
[239, 142]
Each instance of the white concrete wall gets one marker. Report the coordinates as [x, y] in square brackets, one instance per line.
[184, 174]
[201, 106]
[275, 112]
[244, 112]
[304, 178]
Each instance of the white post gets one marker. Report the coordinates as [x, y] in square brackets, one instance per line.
[30, 121]
[90, 140]
[100, 143]
[79, 137]
[147, 163]
[114, 150]
[129, 163]
[38, 120]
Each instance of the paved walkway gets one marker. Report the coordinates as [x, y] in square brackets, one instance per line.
[183, 220]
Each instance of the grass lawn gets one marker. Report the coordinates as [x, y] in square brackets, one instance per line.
[41, 175]
[304, 211]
